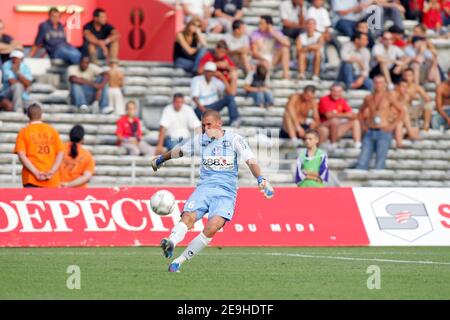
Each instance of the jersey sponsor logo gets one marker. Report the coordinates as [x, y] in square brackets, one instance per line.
[219, 163]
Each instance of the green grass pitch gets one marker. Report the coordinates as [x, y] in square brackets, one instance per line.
[228, 273]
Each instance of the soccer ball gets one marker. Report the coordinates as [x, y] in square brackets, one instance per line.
[163, 202]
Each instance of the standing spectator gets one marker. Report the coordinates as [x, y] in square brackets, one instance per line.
[378, 130]
[40, 151]
[355, 65]
[17, 81]
[312, 163]
[296, 114]
[197, 9]
[190, 47]
[270, 47]
[177, 122]
[310, 51]
[338, 117]
[442, 117]
[89, 85]
[293, 16]
[223, 63]
[205, 91]
[7, 44]
[52, 37]
[116, 81]
[101, 40]
[363, 27]
[129, 133]
[346, 15]
[78, 165]
[423, 61]
[225, 12]
[257, 85]
[238, 44]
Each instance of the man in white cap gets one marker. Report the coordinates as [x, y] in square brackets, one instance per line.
[213, 91]
[17, 80]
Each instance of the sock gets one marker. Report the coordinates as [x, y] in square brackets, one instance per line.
[178, 233]
[196, 245]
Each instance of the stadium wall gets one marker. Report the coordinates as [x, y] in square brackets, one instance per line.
[294, 217]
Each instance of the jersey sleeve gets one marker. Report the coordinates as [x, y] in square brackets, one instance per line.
[20, 143]
[242, 149]
[323, 170]
[299, 174]
[192, 146]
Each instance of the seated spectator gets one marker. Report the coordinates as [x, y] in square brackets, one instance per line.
[52, 37]
[293, 17]
[257, 86]
[78, 165]
[442, 118]
[432, 17]
[116, 81]
[101, 40]
[391, 10]
[225, 12]
[377, 124]
[89, 86]
[312, 163]
[355, 65]
[310, 51]
[346, 15]
[197, 9]
[398, 36]
[17, 80]
[413, 9]
[129, 133]
[425, 108]
[296, 114]
[223, 63]
[7, 44]
[423, 61]
[270, 47]
[390, 60]
[190, 47]
[323, 23]
[363, 27]
[421, 31]
[238, 44]
[338, 118]
[178, 123]
[205, 92]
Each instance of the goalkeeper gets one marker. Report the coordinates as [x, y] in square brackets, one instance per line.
[216, 191]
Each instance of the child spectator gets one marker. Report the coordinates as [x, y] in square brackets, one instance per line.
[312, 163]
[310, 51]
[257, 85]
[116, 80]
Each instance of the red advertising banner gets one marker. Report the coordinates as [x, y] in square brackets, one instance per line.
[123, 217]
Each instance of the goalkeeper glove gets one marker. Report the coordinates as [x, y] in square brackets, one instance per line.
[265, 187]
[157, 162]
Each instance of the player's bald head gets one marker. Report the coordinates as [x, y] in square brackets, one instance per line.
[211, 113]
[34, 112]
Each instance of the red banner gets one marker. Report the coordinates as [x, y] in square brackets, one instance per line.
[123, 217]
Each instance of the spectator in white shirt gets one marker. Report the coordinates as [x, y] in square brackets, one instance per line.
[206, 90]
[320, 15]
[293, 17]
[238, 44]
[346, 15]
[200, 9]
[310, 51]
[178, 122]
[423, 61]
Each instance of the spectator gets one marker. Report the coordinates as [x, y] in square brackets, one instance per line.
[238, 44]
[205, 91]
[321, 17]
[391, 10]
[223, 63]
[355, 65]
[413, 9]
[374, 117]
[52, 36]
[423, 61]
[190, 47]
[116, 81]
[445, 13]
[295, 117]
[363, 27]
[442, 118]
[270, 47]
[129, 133]
[257, 85]
[225, 12]
[398, 36]
[177, 122]
[78, 165]
[390, 60]
[40, 151]
[197, 9]
[312, 163]
[415, 91]
[7, 44]
[432, 17]
[89, 86]
[346, 15]
[338, 117]
[17, 81]
[310, 51]
[293, 16]
[101, 40]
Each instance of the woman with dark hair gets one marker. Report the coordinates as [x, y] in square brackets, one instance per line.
[78, 165]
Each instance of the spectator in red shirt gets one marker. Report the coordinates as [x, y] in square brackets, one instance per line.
[224, 64]
[432, 15]
[129, 133]
[338, 117]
